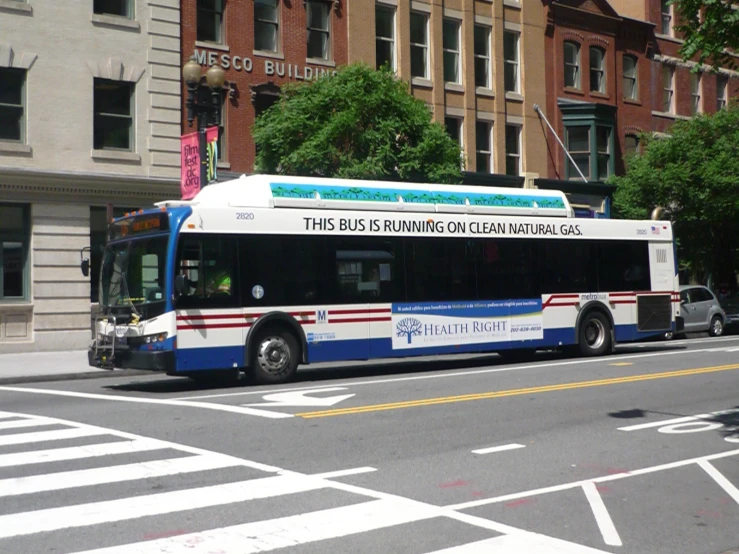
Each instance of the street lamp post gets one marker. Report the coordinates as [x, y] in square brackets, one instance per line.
[208, 113]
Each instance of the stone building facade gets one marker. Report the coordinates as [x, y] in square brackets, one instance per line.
[89, 127]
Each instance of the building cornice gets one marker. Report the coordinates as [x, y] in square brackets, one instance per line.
[71, 185]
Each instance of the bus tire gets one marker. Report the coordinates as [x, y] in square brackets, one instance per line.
[594, 334]
[275, 356]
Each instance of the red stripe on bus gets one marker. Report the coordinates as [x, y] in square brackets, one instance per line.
[353, 312]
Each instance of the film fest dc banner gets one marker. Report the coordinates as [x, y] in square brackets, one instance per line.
[191, 169]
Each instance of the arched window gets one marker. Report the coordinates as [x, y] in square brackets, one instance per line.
[597, 69]
[572, 64]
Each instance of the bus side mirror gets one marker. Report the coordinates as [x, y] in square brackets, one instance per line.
[180, 284]
[85, 267]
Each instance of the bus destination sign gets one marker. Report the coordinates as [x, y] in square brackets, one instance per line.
[139, 225]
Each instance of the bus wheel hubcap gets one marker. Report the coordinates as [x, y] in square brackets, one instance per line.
[595, 333]
[274, 355]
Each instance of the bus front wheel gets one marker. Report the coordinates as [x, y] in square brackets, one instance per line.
[595, 334]
[275, 356]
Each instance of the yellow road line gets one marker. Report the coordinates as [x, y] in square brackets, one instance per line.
[515, 392]
[619, 364]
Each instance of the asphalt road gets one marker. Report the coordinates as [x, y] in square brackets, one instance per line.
[637, 452]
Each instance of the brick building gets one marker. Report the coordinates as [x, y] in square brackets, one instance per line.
[476, 63]
[676, 93]
[261, 45]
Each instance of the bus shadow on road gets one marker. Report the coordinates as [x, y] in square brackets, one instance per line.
[375, 368]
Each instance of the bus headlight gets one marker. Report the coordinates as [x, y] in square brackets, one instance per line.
[150, 339]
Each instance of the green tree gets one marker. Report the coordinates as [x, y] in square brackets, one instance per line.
[694, 176]
[709, 27]
[358, 124]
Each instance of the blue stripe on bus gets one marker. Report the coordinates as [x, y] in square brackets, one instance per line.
[223, 357]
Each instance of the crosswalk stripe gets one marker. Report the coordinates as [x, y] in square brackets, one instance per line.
[81, 515]
[517, 543]
[40, 436]
[272, 534]
[112, 474]
[79, 452]
[19, 424]
[5, 415]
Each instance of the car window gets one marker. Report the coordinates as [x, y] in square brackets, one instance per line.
[684, 297]
[703, 295]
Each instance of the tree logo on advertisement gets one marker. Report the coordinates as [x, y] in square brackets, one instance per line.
[409, 327]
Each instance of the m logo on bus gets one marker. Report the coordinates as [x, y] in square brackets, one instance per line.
[408, 327]
[321, 316]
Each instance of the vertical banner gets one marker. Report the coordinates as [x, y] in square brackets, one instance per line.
[190, 165]
[211, 142]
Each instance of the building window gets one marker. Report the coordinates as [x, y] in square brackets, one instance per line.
[666, 18]
[113, 111]
[319, 34]
[419, 45]
[668, 83]
[510, 56]
[454, 128]
[591, 148]
[266, 25]
[578, 145]
[12, 104]
[483, 144]
[631, 145]
[14, 234]
[722, 84]
[695, 93]
[513, 150]
[597, 70]
[482, 56]
[385, 36]
[572, 64]
[631, 81]
[603, 151]
[210, 21]
[451, 47]
[113, 7]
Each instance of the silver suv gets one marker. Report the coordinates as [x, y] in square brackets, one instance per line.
[701, 310]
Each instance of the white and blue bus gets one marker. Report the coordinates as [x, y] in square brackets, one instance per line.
[317, 270]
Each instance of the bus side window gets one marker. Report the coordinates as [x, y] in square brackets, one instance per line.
[367, 270]
[210, 264]
[440, 269]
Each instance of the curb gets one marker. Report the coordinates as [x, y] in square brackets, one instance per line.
[73, 376]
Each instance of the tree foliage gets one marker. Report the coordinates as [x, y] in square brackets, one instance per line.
[694, 176]
[709, 27]
[359, 124]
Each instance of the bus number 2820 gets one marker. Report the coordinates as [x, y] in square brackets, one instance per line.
[245, 215]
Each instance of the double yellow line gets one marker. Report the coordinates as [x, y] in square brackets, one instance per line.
[515, 392]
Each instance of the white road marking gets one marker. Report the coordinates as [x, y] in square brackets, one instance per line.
[94, 513]
[78, 452]
[686, 419]
[445, 374]
[272, 534]
[112, 474]
[41, 436]
[6, 415]
[284, 483]
[344, 472]
[722, 481]
[157, 401]
[520, 543]
[299, 398]
[21, 423]
[602, 517]
[502, 448]
[603, 479]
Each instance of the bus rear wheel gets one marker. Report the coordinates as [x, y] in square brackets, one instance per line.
[275, 356]
[594, 334]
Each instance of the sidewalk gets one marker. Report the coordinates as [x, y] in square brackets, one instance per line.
[29, 367]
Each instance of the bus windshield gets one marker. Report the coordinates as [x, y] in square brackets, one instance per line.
[133, 275]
